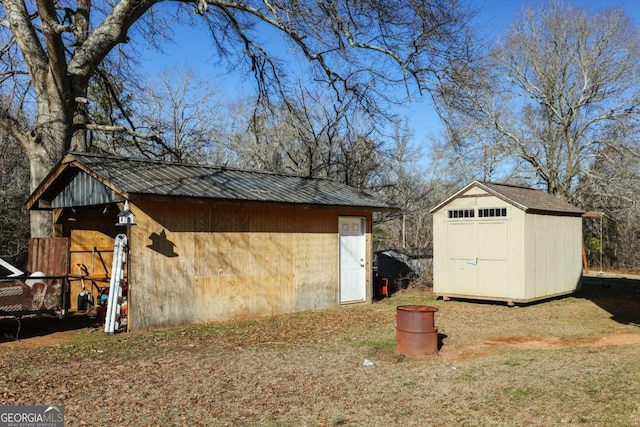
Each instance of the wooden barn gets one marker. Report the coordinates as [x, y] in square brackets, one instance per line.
[210, 243]
[507, 243]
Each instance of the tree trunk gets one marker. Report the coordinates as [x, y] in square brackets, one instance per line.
[40, 163]
[48, 144]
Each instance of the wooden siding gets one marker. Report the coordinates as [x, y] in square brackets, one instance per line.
[199, 262]
[91, 232]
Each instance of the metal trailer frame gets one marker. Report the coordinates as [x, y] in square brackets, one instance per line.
[28, 296]
[45, 291]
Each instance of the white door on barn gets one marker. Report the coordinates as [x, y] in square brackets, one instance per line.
[352, 259]
[478, 258]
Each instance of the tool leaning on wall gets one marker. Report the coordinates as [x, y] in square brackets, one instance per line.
[113, 317]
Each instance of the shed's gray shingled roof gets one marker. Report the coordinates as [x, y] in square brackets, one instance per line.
[527, 199]
[136, 176]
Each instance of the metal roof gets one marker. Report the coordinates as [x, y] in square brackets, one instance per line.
[528, 199]
[130, 176]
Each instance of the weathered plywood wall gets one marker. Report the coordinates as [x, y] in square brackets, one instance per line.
[197, 262]
[91, 231]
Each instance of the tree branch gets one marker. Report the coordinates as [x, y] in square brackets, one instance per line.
[117, 129]
[13, 127]
[106, 36]
[55, 47]
[24, 32]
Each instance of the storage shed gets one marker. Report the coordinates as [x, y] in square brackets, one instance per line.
[506, 243]
[211, 243]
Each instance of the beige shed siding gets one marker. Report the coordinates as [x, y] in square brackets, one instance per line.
[541, 253]
[553, 250]
[194, 262]
[440, 283]
[475, 191]
[517, 251]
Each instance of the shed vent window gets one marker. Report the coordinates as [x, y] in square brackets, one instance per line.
[492, 212]
[462, 213]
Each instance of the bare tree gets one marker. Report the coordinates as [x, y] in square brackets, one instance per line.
[312, 134]
[112, 107]
[177, 111]
[611, 187]
[14, 191]
[182, 111]
[51, 50]
[548, 99]
[413, 186]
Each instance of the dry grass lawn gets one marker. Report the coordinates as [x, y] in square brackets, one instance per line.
[568, 361]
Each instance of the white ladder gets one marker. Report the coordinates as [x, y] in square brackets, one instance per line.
[112, 318]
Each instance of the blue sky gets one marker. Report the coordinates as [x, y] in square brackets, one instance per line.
[496, 15]
[191, 47]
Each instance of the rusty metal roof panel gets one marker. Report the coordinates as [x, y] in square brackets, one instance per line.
[136, 176]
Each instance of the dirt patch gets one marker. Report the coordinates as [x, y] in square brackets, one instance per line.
[492, 346]
[544, 343]
[52, 339]
[42, 331]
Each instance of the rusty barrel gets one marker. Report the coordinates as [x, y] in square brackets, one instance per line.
[416, 334]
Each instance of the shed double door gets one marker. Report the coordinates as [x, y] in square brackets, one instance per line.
[478, 258]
